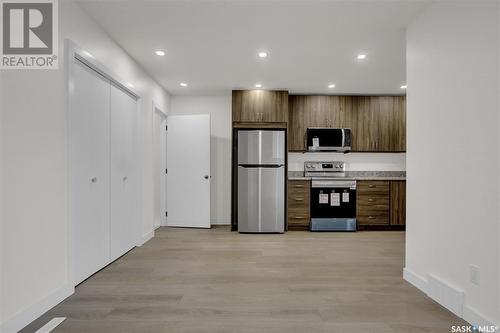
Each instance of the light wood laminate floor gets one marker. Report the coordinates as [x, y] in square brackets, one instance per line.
[191, 280]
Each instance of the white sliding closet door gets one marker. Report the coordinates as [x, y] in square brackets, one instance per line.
[124, 217]
[89, 169]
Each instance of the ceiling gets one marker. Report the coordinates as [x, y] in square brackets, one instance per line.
[213, 45]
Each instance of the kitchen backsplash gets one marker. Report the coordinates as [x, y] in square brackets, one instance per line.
[354, 161]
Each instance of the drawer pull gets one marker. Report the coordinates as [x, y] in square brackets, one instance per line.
[299, 199]
[371, 186]
[298, 185]
[299, 217]
[371, 217]
[370, 200]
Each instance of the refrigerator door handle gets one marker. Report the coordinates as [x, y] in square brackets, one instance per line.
[261, 165]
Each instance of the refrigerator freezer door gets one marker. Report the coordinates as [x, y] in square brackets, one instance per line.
[261, 199]
[261, 147]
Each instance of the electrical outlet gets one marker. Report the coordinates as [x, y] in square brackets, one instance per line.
[474, 275]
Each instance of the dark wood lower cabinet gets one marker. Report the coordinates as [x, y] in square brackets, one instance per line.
[299, 194]
[381, 204]
[398, 202]
[372, 202]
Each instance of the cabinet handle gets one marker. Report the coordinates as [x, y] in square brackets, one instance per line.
[371, 186]
[370, 200]
[299, 217]
[298, 185]
[371, 217]
[299, 199]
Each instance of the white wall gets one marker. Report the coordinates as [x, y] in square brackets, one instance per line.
[34, 174]
[453, 156]
[219, 108]
[354, 161]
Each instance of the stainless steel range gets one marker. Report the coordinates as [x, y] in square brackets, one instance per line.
[333, 197]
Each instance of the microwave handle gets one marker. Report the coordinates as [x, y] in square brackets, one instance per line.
[343, 137]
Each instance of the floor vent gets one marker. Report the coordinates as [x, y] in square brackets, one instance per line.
[51, 325]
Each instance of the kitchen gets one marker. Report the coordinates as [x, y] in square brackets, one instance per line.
[320, 131]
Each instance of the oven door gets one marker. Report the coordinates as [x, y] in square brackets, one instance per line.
[333, 205]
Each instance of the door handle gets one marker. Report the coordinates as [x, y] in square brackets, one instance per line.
[93, 179]
[206, 176]
[125, 178]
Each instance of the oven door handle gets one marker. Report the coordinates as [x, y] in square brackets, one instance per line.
[351, 184]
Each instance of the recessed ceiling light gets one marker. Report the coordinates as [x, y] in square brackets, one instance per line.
[183, 84]
[331, 85]
[263, 54]
[258, 85]
[403, 86]
[361, 56]
[160, 53]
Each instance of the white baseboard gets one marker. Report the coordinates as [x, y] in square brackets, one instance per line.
[146, 237]
[445, 294]
[26, 316]
[220, 221]
[415, 280]
[450, 297]
[476, 318]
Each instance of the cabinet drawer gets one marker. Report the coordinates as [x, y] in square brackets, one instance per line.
[374, 219]
[299, 185]
[298, 200]
[372, 203]
[298, 212]
[373, 187]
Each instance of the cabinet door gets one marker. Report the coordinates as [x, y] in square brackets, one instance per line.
[365, 124]
[124, 217]
[297, 123]
[260, 106]
[379, 123]
[398, 202]
[397, 125]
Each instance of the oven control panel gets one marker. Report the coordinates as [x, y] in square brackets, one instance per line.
[335, 166]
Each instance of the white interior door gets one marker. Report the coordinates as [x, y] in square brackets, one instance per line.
[89, 171]
[188, 163]
[124, 217]
[160, 162]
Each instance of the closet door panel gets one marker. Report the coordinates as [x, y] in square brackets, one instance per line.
[88, 171]
[124, 219]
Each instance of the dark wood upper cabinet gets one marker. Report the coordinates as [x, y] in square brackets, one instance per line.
[260, 106]
[378, 123]
[316, 111]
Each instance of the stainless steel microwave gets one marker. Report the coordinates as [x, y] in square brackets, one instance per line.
[328, 139]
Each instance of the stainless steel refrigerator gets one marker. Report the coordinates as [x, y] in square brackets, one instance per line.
[261, 181]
